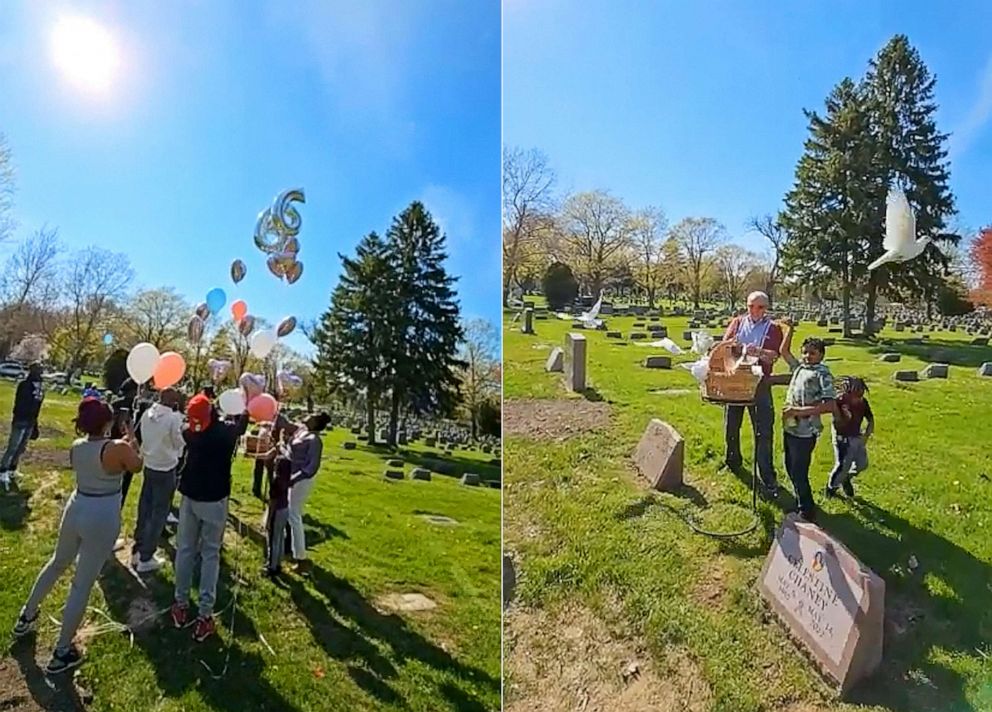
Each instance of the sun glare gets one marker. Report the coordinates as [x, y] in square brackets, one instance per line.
[85, 53]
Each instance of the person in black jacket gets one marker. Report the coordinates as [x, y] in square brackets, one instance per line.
[205, 485]
[24, 424]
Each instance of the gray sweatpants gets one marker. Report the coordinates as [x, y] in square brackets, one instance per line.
[200, 531]
[157, 489]
[276, 535]
[89, 528]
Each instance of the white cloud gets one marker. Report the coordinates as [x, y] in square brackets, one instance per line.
[977, 118]
[452, 212]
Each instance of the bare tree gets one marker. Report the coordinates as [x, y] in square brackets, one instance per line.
[647, 232]
[772, 230]
[7, 183]
[29, 285]
[735, 266]
[94, 280]
[528, 184]
[597, 230]
[480, 377]
[157, 316]
[697, 238]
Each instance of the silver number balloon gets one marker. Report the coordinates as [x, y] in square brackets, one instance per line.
[285, 218]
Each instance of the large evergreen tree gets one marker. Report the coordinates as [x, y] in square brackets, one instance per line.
[829, 210]
[910, 150]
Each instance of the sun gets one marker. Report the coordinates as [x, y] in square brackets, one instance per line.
[86, 53]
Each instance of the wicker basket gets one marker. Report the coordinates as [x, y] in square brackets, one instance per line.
[730, 380]
[258, 442]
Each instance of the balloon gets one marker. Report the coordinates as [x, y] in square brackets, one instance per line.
[108, 339]
[286, 326]
[218, 369]
[262, 343]
[203, 311]
[216, 299]
[141, 362]
[195, 329]
[232, 402]
[289, 380]
[284, 216]
[295, 272]
[276, 267]
[170, 370]
[292, 246]
[246, 325]
[253, 384]
[239, 309]
[238, 271]
[284, 260]
[263, 408]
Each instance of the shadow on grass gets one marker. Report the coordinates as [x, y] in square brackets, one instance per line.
[593, 396]
[14, 507]
[176, 658]
[448, 465]
[927, 625]
[353, 631]
[57, 693]
[954, 353]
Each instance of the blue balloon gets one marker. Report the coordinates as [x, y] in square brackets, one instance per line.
[216, 299]
[108, 339]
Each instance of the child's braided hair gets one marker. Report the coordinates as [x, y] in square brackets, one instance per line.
[853, 384]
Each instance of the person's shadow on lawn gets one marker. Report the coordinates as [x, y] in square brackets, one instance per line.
[358, 645]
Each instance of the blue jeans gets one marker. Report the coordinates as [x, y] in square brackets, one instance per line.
[201, 531]
[762, 415]
[20, 434]
[798, 456]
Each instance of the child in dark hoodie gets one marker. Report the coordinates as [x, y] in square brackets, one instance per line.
[277, 516]
[24, 424]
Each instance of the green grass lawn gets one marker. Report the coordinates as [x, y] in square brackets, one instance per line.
[586, 532]
[317, 644]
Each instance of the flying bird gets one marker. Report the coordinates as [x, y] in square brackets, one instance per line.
[589, 319]
[664, 343]
[900, 242]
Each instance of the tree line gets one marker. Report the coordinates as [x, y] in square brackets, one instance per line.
[874, 133]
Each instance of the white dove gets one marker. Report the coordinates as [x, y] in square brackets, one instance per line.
[900, 241]
[588, 318]
[664, 343]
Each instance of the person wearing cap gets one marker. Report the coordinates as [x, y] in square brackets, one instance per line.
[24, 425]
[760, 337]
[162, 445]
[205, 485]
[91, 521]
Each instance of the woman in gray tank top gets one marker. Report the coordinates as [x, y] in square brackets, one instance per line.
[90, 524]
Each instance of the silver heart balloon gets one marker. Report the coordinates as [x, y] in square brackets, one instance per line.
[276, 266]
[195, 329]
[218, 369]
[286, 326]
[203, 311]
[292, 246]
[238, 271]
[285, 261]
[295, 272]
[246, 325]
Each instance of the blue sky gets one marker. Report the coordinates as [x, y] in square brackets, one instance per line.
[697, 107]
[220, 105]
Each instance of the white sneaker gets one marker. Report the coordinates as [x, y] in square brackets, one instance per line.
[172, 519]
[153, 564]
[5, 479]
[134, 560]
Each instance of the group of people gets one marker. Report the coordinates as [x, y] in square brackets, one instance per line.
[193, 454]
[812, 392]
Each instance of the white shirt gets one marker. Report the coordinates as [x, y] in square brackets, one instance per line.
[162, 441]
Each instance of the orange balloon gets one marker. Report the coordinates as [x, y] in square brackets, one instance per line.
[170, 370]
[263, 408]
[239, 309]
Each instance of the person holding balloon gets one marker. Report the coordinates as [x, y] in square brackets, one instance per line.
[306, 451]
[90, 524]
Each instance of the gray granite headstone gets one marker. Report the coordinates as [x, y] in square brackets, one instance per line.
[419, 473]
[575, 362]
[890, 358]
[556, 361]
[906, 376]
[935, 370]
[471, 479]
[985, 369]
[658, 362]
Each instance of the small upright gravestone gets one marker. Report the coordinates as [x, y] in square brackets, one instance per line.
[556, 361]
[471, 479]
[658, 362]
[528, 325]
[638, 336]
[890, 358]
[614, 335]
[935, 370]
[393, 474]
[906, 376]
[831, 602]
[419, 473]
[349, 445]
[660, 456]
[985, 369]
[575, 362]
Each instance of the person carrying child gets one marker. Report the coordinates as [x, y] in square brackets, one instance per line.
[811, 393]
[850, 444]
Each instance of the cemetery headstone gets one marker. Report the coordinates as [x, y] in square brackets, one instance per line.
[658, 362]
[349, 445]
[831, 603]
[556, 361]
[890, 358]
[575, 362]
[471, 479]
[658, 332]
[980, 341]
[394, 474]
[614, 335]
[419, 473]
[935, 370]
[985, 369]
[660, 456]
[906, 376]
[638, 336]
[528, 325]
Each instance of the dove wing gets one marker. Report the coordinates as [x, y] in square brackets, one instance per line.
[900, 223]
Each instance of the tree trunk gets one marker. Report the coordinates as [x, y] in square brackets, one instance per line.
[394, 417]
[370, 414]
[871, 304]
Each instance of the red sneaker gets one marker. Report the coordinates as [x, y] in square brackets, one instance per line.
[204, 628]
[180, 615]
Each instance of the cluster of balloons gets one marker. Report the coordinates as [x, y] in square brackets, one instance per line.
[276, 232]
[145, 363]
[251, 396]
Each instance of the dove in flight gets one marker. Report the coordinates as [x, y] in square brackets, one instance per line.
[664, 343]
[900, 242]
[589, 318]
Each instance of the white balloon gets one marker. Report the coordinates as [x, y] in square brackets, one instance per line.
[232, 402]
[141, 362]
[262, 342]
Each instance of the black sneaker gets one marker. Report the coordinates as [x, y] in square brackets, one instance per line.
[61, 662]
[848, 488]
[770, 489]
[808, 515]
[25, 625]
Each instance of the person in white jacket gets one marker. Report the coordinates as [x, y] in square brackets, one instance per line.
[162, 446]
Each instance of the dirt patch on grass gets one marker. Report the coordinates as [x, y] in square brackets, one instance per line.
[572, 661]
[24, 688]
[710, 588]
[553, 419]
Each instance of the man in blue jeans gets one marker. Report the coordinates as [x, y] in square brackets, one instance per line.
[205, 485]
[24, 425]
